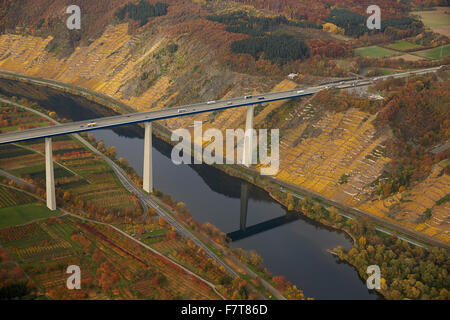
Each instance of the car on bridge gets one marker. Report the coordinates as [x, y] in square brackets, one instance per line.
[182, 110]
[211, 102]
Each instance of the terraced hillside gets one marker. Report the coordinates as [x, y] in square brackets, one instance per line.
[119, 268]
[185, 57]
[79, 174]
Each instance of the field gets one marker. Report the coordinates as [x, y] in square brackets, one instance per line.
[45, 247]
[18, 208]
[21, 214]
[167, 242]
[113, 266]
[375, 52]
[10, 197]
[435, 53]
[438, 20]
[435, 18]
[407, 57]
[76, 169]
[403, 45]
[14, 118]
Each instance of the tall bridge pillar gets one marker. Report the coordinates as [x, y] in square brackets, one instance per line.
[148, 166]
[49, 175]
[248, 140]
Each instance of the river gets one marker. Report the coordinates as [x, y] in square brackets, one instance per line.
[295, 248]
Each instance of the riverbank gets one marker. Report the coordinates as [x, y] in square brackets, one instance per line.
[255, 179]
[266, 291]
[252, 176]
[249, 174]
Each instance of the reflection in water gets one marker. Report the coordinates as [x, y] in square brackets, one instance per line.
[244, 205]
[297, 250]
[266, 225]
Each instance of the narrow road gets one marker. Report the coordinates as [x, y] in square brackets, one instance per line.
[54, 161]
[149, 248]
[391, 225]
[144, 198]
[66, 213]
[16, 179]
[265, 284]
[378, 228]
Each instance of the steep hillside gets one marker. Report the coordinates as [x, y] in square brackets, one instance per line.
[339, 148]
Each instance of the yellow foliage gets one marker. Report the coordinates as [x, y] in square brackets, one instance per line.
[332, 28]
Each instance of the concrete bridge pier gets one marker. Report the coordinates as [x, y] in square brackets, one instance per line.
[148, 165]
[248, 140]
[49, 175]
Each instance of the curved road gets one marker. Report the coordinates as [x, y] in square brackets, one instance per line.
[147, 201]
[144, 198]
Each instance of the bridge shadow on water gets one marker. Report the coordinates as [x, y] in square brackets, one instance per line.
[225, 185]
[290, 243]
[248, 231]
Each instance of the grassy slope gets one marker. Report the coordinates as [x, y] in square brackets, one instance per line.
[375, 52]
[96, 181]
[404, 45]
[435, 18]
[435, 53]
[21, 214]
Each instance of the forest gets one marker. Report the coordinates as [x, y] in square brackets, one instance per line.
[354, 23]
[276, 48]
[142, 11]
[418, 110]
[242, 22]
[408, 271]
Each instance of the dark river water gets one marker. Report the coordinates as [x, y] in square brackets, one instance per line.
[295, 248]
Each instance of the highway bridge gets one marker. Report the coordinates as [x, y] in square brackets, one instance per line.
[186, 110]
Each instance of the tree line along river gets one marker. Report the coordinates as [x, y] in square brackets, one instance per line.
[295, 248]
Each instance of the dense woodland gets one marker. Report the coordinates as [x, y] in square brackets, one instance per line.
[354, 24]
[142, 11]
[418, 111]
[318, 10]
[408, 272]
[276, 48]
[242, 22]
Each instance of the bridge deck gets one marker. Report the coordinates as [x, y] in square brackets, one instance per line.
[119, 120]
